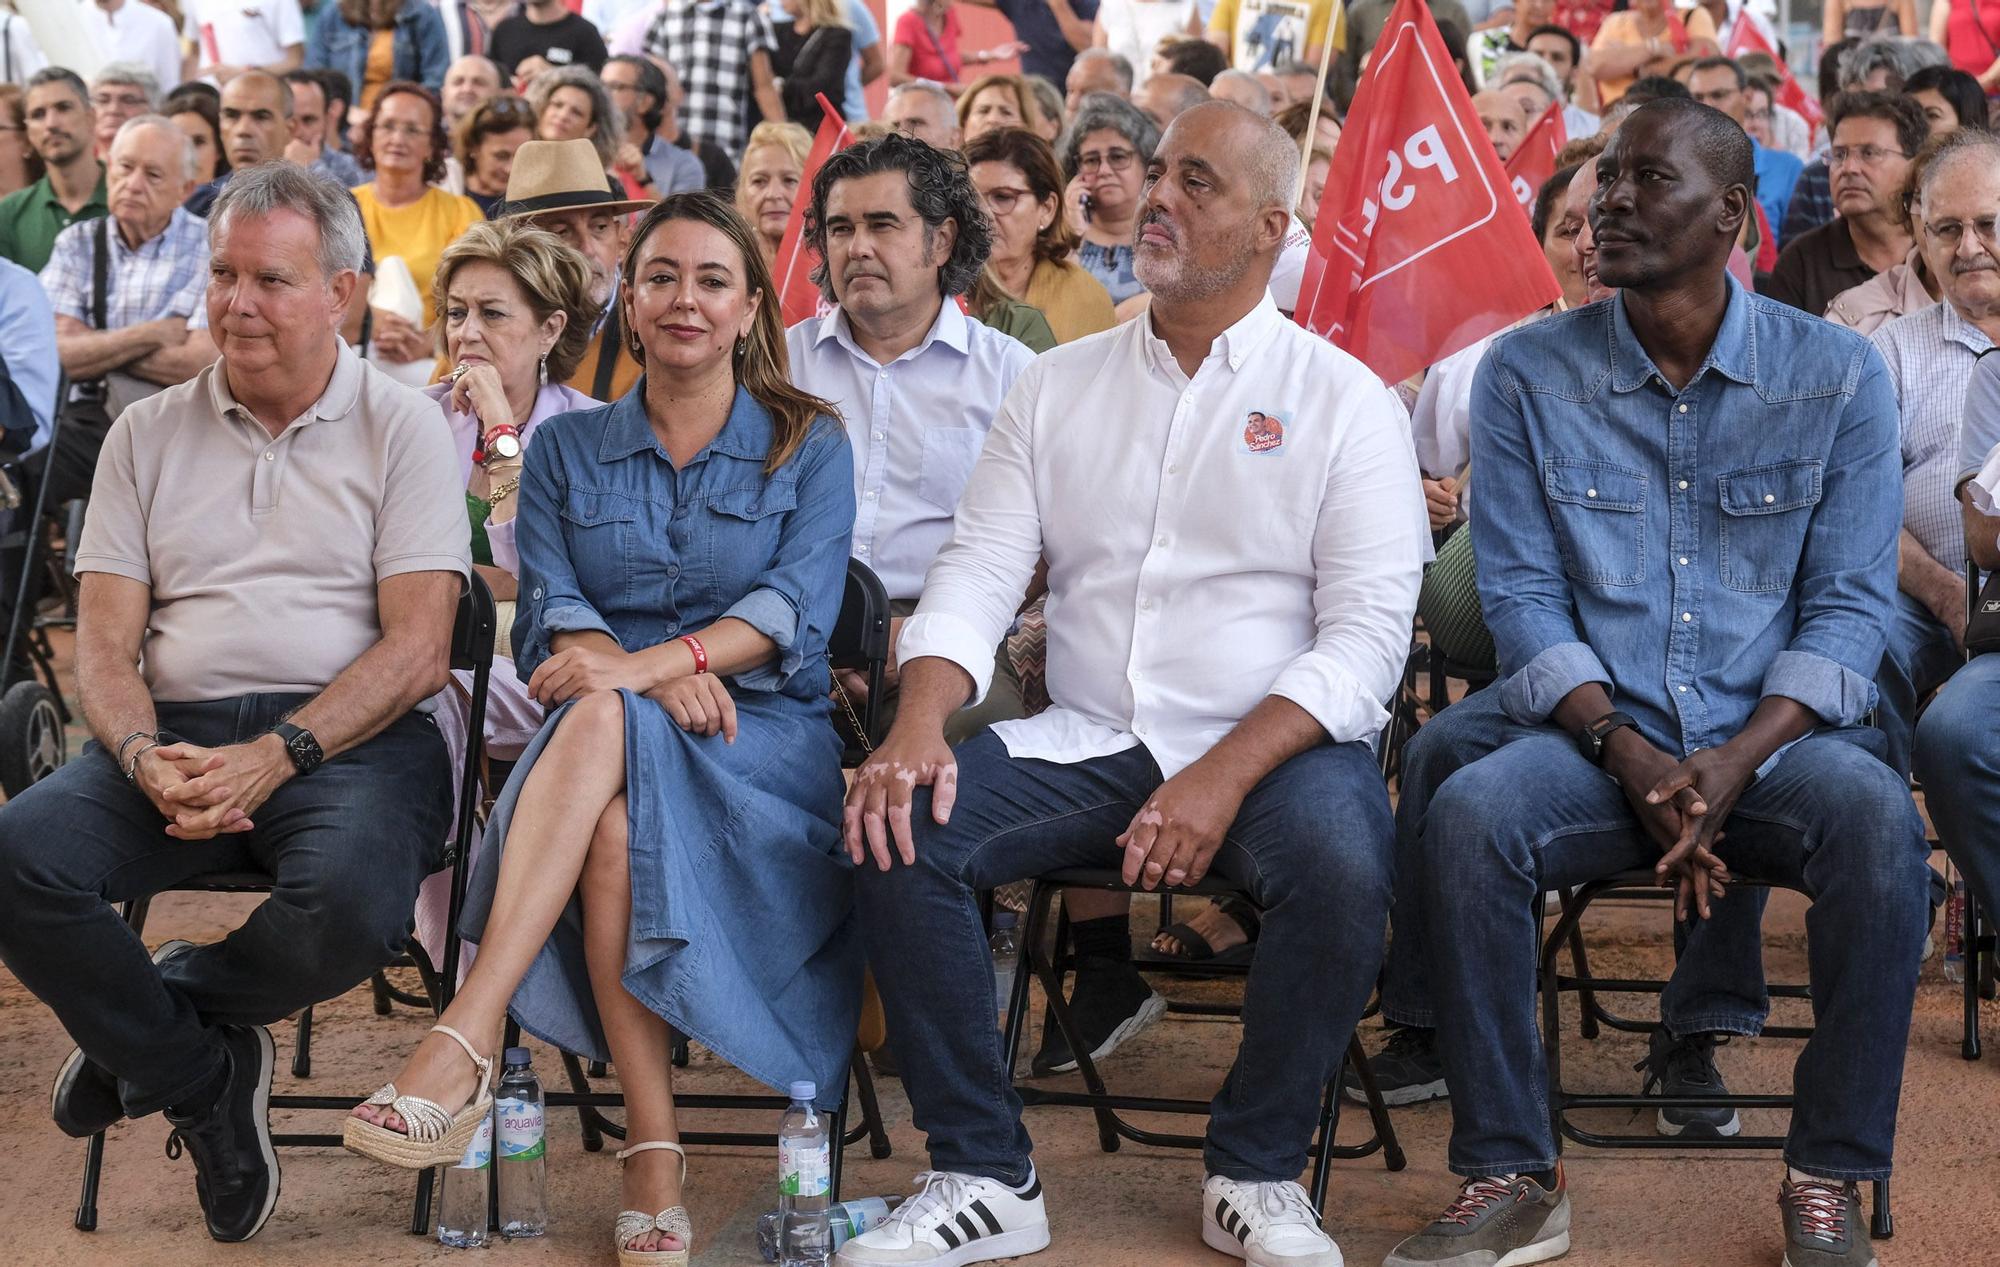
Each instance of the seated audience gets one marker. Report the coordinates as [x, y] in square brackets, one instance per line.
[199, 118]
[683, 656]
[256, 117]
[773, 165]
[379, 42]
[1050, 110]
[140, 46]
[1875, 65]
[1951, 99]
[638, 91]
[1105, 154]
[1646, 39]
[716, 163]
[469, 83]
[1900, 289]
[1503, 118]
[1733, 743]
[252, 682]
[1874, 137]
[559, 186]
[1243, 89]
[1491, 43]
[1719, 82]
[60, 125]
[995, 101]
[313, 130]
[550, 30]
[1101, 70]
[1021, 184]
[571, 103]
[813, 53]
[149, 328]
[924, 110]
[486, 142]
[121, 91]
[20, 165]
[722, 51]
[1164, 98]
[408, 217]
[1531, 80]
[1150, 759]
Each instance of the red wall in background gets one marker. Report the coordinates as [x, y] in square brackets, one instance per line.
[980, 28]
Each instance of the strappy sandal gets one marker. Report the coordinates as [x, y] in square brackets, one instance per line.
[1195, 948]
[434, 1137]
[633, 1224]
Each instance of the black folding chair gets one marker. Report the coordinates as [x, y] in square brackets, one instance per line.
[1981, 944]
[1050, 969]
[1562, 1101]
[859, 641]
[471, 649]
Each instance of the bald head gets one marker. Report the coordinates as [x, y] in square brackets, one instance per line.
[1217, 207]
[1165, 98]
[1244, 89]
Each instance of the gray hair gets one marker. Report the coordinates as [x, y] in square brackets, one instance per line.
[1120, 66]
[1296, 67]
[1900, 57]
[1954, 148]
[131, 74]
[607, 125]
[1527, 68]
[1258, 92]
[1273, 159]
[270, 187]
[164, 124]
[60, 75]
[931, 87]
[1101, 112]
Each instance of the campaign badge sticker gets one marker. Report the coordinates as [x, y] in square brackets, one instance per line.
[1264, 431]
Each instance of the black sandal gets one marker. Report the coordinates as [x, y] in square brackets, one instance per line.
[1195, 948]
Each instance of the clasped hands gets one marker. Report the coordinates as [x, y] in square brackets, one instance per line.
[208, 792]
[1683, 806]
[698, 702]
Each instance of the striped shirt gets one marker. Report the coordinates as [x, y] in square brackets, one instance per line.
[1930, 355]
[164, 277]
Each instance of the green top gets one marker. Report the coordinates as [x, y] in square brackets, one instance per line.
[479, 510]
[30, 219]
[1009, 316]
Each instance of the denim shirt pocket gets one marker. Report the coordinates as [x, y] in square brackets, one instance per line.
[1765, 513]
[744, 533]
[602, 529]
[1599, 512]
[949, 456]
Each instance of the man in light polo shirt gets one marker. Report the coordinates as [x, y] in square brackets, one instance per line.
[269, 574]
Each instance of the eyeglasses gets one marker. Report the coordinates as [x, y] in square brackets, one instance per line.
[1003, 200]
[1866, 155]
[402, 129]
[128, 100]
[1952, 232]
[1111, 160]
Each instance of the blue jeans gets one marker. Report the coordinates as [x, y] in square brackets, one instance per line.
[1919, 658]
[1534, 815]
[1717, 986]
[1311, 845]
[1959, 762]
[348, 845]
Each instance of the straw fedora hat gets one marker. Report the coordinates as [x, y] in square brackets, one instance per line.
[560, 176]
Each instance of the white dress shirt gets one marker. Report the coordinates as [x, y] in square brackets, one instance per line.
[1256, 530]
[137, 32]
[916, 425]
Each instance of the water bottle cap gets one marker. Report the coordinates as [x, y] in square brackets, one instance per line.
[517, 1058]
[804, 1091]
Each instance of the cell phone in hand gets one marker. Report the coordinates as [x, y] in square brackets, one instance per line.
[1087, 205]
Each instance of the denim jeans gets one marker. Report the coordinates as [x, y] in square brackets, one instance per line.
[1919, 658]
[1717, 986]
[1532, 814]
[1959, 763]
[347, 844]
[1311, 845]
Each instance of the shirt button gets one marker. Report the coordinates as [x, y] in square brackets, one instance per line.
[1684, 560]
[1590, 492]
[880, 436]
[1684, 485]
[871, 494]
[882, 374]
[673, 569]
[1769, 498]
[1686, 617]
[1136, 675]
[1174, 469]
[269, 456]
[1684, 408]
[1683, 690]
[1161, 541]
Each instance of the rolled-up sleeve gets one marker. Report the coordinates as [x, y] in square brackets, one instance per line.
[1368, 556]
[975, 585]
[1846, 579]
[1522, 589]
[552, 597]
[799, 600]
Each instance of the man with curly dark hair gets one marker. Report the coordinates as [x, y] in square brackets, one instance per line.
[901, 233]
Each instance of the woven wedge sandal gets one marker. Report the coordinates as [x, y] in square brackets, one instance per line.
[435, 1137]
[633, 1224]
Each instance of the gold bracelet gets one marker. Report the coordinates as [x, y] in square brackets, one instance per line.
[505, 490]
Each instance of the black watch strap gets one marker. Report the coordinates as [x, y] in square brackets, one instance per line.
[301, 744]
[1592, 740]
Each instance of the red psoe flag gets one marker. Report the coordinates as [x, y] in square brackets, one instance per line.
[1534, 159]
[798, 297]
[1744, 37]
[1417, 252]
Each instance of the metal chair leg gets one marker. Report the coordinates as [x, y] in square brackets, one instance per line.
[589, 1118]
[420, 1208]
[1378, 1108]
[871, 1108]
[302, 1049]
[378, 986]
[1883, 1225]
[1970, 936]
[93, 1170]
[1329, 1123]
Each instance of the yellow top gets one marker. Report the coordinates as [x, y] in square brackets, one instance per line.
[419, 232]
[381, 67]
[1296, 30]
[1622, 29]
[1074, 302]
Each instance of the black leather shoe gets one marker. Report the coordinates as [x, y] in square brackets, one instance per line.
[85, 1098]
[235, 1167]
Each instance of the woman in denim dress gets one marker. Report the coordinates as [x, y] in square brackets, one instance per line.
[671, 839]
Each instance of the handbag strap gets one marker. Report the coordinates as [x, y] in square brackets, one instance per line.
[1979, 21]
[100, 272]
[938, 47]
[608, 351]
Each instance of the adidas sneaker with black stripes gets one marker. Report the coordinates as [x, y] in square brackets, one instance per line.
[952, 1220]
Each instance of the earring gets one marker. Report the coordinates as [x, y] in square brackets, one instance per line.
[543, 370]
[741, 346]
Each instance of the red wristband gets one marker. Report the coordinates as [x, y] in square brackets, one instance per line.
[700, 652]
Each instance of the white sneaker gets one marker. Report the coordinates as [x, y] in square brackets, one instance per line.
[954, 1219]
[1265, 1224]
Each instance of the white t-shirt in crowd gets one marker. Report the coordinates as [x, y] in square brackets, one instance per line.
[246, 32]
[137, 32]
[1134, 28]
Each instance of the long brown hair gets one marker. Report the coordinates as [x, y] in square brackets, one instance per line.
[762, 368]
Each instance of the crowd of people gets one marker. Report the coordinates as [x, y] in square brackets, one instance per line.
[491, 287]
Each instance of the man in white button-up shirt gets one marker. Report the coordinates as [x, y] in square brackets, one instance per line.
[1230, 514]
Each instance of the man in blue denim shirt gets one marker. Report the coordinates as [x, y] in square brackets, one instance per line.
[1687, 541]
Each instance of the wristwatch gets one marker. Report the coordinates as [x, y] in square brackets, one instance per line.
[502, 444]
[300, 744]
[1590, 741]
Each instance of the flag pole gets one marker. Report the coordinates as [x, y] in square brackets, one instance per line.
[1334, 21]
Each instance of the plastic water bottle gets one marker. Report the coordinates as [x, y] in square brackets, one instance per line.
[1006, 945]
[1954, 927]
[845, 1221]
[462, 1205]
[805, 1177]
[517, 1112]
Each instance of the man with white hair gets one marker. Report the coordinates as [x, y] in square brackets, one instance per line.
[924, 110]
[269, 572]
[147, 328]
[121, 91]
[1096, 70]
[1532, 81]
[1244, 89]
[1225, 619]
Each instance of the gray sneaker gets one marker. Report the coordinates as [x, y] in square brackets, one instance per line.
[1686, 1066]
[1823, 1225]
[1495, 1222]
